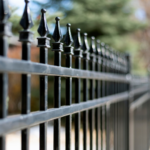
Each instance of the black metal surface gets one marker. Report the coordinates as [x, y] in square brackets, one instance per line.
[78, 55]
[26, 23]
[57, 48]
[22, 121]
[43, 31]
[103, 94]
[98, 94]
[68, 50]
[106, 99]
[4, 16]
[92, 91]
[17, 66]
[85, 89]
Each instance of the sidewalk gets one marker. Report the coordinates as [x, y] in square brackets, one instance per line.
[13, 140]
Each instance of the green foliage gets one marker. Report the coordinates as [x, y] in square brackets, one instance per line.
[15, 20]
[110, 21]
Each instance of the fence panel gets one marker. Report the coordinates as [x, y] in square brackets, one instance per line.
[113, 99]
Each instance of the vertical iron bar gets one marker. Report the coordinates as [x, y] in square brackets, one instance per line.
[3, 87]
[77, 100]
[68, 51]
[98, 94]
[57, 48]
[43, 99]
[92, 91]
[5, 32]
[128, 62]
[107, 94]
[26, 39]
[115, 106]
[85, 113]
[118, 107]
[26, 93]
[103, 95]
[78, 55]
[68, 102]
[43, 31]
[57, 101]
[86, 59]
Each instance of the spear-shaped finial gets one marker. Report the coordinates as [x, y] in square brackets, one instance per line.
[107, 51]
[43, 28]
[85, 46]
[4, 11]
[92, 47]
[68, 49]
[78, 40]
[78, 45]
[26, 20]
[98, 49]
[68, 38]
[103, 49]
[57, 36]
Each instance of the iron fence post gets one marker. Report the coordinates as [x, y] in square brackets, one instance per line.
[57, 48]
[68, 51]
[86, 58]
[78, 55]
[26, 38]
[98, 94]
[103, 84]
[107, 69]
[92, 90]
[128, 117]
[43, 44]
[5, 32]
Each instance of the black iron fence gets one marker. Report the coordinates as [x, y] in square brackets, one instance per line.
[110, 94]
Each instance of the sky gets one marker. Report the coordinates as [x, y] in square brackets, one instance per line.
[140, 14]
[19, 4]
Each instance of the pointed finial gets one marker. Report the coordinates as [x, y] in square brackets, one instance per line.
[103, 49]
[68, 38]
[85, 46]
[92, 47]
[78, 40]
[78, 45]
[5, 12]
[106, 51]
[57, 36]
[98, 49]
[43, 28]
[26, 20]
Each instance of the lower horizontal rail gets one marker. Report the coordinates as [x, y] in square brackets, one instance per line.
[139, 90]
[18, 122]
[145, 97]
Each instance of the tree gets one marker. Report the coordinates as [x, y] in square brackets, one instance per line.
[110, 21]
[113, 22]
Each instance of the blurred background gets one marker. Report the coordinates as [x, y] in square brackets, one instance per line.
[122, 24]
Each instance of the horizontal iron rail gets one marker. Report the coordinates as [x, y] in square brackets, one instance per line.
[28, 67]
[145, 97]
[135, 82]
[22, 121]
[139, 90]
[18, 122]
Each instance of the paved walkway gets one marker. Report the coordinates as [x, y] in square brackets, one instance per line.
[13, 140]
